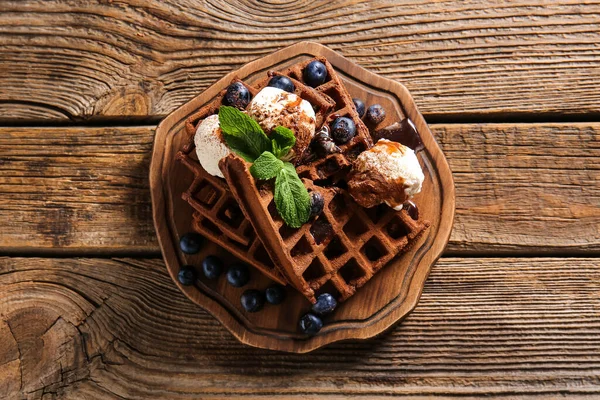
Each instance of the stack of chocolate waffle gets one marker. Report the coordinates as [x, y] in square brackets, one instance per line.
[336, 252]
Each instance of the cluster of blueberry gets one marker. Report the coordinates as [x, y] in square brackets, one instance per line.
[238, 96]
[311, 322]
[374, 114]
[238, 275]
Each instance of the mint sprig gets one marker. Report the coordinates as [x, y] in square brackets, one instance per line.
[242, 134]
[246, 138]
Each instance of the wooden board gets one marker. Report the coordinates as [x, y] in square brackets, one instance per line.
[479, 59]
[499, 328]
[85, 190]
[397, 286]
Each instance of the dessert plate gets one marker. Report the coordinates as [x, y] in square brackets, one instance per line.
[387, 298]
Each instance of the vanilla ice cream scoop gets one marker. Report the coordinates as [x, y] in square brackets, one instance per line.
[272, 107]
[386, 173]
[210, 146]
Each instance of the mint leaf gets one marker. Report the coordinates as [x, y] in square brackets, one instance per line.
[235, 144]
[282, 140]
[276, 150]
[291, 197]
[283, 136]
[242, 134]
[267, 166]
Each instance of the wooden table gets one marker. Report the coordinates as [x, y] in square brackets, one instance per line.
[511, 90]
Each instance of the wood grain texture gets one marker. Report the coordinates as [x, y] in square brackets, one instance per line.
[107, 59]
[73, 188]
[534, 186]
[105, 328]
[523, 188]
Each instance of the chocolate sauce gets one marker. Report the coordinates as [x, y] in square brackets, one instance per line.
[403, 132]
[321, 146]
[412, 209]
[321, 230]
[396, 229]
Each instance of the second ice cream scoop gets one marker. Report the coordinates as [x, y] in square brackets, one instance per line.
[272, 107]
[389, 172]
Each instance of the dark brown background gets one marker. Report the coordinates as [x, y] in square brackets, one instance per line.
[511, 90]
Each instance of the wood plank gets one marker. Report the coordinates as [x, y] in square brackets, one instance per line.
[102, 328]
[480, 58]
[520, 188]
[524, 187]
[76, 188]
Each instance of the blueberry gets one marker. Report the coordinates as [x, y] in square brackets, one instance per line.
[238, 275]
[310, 324]
[317, 202]
[187, 275]
[360, 107]
[315, 73]
[190, 243]
[325, 304]
[375, 114]
[275, 294]
[252, 300]
[342, 130]
[212, 266]
[282, 82]
[237, 96]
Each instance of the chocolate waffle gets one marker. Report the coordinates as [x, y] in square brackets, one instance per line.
[340, 250]
[253, 254]
[219, 218]
[337, 252]
[217, 215]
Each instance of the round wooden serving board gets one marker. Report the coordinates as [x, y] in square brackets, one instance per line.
[388, 297]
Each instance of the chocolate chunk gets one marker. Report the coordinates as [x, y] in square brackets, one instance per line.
[412, 209]
[403, 132]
